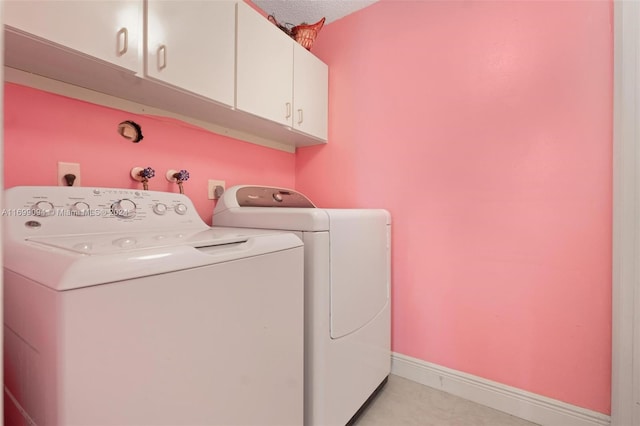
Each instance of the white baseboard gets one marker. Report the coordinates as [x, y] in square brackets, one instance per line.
[526, 405]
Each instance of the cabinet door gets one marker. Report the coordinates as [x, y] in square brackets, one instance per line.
[110, 30]
[191, 45]
[310, 93]
[264, 68]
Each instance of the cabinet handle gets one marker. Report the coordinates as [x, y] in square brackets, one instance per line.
[162, 57]
[300, 118]
[123, 41]
[288, 110]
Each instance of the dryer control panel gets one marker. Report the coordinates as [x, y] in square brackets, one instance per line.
[263, 196]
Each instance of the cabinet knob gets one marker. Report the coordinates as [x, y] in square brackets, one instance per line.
[288, 110]
[123, 41]
[300, 117]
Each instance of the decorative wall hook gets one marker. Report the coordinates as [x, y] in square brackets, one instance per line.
[143, 175]
[178, 177]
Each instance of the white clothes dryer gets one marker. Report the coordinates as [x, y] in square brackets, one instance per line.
[347, 293]
[123, 307]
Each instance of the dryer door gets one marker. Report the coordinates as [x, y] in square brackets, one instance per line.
[360, 266]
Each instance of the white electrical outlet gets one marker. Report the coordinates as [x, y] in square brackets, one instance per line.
[68, 169]
[216, 188]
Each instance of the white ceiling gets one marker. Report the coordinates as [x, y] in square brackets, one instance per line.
[310, 11]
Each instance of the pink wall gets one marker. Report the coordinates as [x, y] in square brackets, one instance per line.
[41, 129]
[485, 128]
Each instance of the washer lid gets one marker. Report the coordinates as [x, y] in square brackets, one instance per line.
[103, 244]
[59, 266]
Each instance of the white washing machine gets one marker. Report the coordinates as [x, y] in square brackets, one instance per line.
[347, 293]
[123, 307]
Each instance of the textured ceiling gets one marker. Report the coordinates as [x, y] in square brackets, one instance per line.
[298, 11]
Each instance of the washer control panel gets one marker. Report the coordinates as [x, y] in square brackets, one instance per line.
[43, 210]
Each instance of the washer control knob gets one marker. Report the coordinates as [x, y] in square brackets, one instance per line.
[80, 208]
[43, 208]
[124, 242]
[124, 208]
[180, 208]
[159, 208]
[277, 196]
[83, 246]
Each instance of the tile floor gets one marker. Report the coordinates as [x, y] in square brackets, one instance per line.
[405, 403]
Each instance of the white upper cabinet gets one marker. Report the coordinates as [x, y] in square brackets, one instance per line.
[214, 62]
[191, 45]
[310, 93]
[110, 30]
[264, 68]
[278, 79]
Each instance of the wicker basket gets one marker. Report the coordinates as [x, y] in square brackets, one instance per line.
[306, 34]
